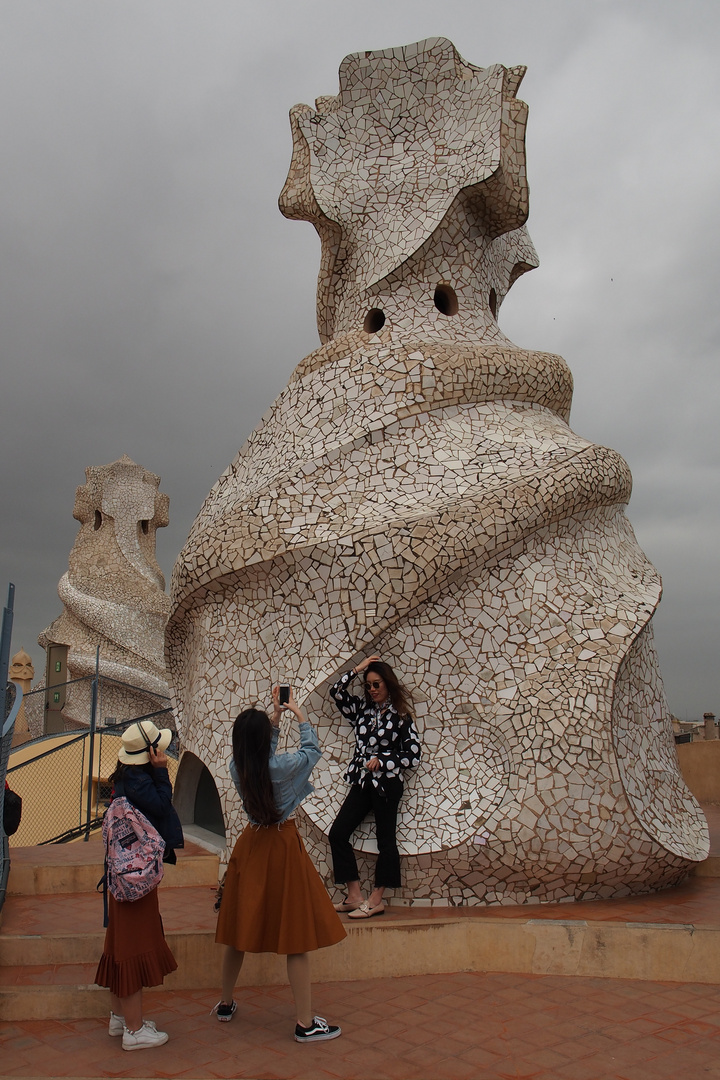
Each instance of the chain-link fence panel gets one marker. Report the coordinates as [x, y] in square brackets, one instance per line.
[64, 778]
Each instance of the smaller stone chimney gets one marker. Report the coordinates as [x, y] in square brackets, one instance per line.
[711, 731]
[22, 672]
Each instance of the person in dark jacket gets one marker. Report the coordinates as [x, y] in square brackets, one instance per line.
[136, 953]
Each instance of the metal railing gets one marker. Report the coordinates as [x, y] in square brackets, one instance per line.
[62, 778]
[12, 697]
[64, 783]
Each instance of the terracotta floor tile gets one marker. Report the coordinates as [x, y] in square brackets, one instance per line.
[512, 1026]
[467, 1034]
[644, 1025]
[575, 1027]
[537, 1040]
[393, 1069]
[598, 1042]
[546, 1058]
[20, 1043]
[591, 1068]
[691, 1008]
[224, 1070]
[395, 1045]
[479, 1056]
[512, 1070]
[677, 1036]
[453, 1069]
[440, 1026]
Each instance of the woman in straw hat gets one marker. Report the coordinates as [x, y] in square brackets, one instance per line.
[273, 899]
[136, 953]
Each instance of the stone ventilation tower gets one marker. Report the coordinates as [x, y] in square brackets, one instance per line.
[113, 595]
[22, 672]
[416, 491]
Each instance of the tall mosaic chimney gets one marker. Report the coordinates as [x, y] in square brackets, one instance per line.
[416, 491]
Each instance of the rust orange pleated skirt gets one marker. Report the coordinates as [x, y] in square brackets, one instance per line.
[136, 953]
[274, 900]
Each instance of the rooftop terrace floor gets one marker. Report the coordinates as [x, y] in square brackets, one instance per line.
[458, 1026]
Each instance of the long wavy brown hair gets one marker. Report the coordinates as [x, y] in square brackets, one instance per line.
[399, 695]
[251, 736]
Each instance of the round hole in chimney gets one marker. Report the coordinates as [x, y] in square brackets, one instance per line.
[492, 304]
[98, 520]
[445, 299]
[374, 320]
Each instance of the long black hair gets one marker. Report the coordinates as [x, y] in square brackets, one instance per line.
[400, 696]
[252, 732]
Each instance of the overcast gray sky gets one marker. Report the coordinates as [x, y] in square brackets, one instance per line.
[154, 301]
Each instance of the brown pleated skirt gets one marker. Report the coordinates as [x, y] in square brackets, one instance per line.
[274, 900]
[136, 953]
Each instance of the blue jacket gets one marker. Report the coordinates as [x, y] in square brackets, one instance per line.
[289, 773]
[152, 796]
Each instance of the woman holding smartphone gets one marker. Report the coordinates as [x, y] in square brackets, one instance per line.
[274, 899]
[386, 744]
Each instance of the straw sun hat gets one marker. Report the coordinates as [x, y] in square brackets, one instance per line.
[137, 738]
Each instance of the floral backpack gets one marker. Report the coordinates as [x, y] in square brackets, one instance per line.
[133, 853]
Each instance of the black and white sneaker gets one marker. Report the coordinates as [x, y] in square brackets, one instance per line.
[318, 1031]
[224, 1012]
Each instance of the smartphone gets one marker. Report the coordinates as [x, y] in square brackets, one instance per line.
[284, 696]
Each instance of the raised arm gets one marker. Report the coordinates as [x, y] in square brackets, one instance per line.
[350, 705]
[295, 762]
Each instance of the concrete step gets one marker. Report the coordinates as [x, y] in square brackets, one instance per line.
[77, 868]
[51, 938]
[35, 880]
[398, 946]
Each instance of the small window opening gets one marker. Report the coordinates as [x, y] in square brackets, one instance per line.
[144, 525]
[374, 320]
[98, 520]
[492, 304]
[445, 300]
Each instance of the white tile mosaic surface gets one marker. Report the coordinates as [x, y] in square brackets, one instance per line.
[113, 593]
[416, 491]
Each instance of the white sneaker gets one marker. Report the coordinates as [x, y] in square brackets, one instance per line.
[116, 1025]
[144, 1038]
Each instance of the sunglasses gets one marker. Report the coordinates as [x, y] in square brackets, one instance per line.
[372, 685]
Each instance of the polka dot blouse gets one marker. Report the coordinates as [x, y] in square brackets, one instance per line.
[379, 732]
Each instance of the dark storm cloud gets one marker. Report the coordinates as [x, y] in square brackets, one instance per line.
[154, 301]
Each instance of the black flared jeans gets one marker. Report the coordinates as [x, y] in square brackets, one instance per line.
[360, 800]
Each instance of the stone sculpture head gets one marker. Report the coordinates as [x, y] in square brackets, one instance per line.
[416, 139]
[119, 508]
[21, 667]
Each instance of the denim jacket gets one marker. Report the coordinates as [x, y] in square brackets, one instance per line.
[289, 773]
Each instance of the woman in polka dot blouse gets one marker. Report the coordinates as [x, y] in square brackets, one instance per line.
[386, 744]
